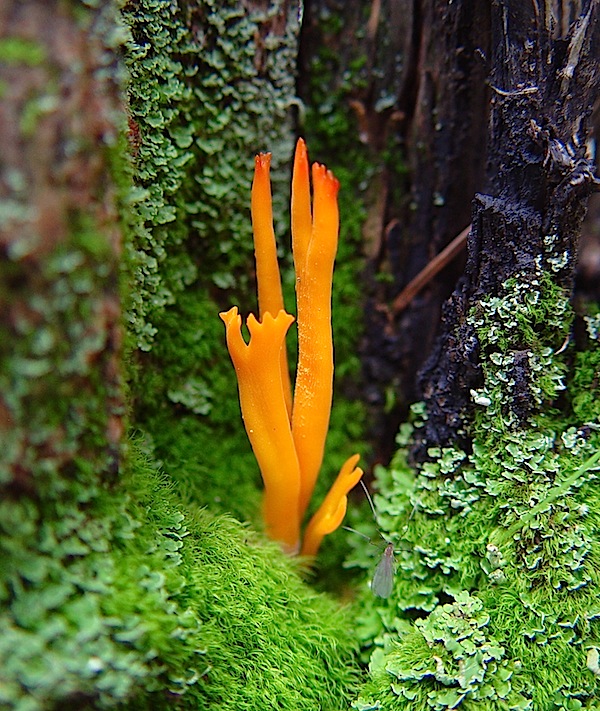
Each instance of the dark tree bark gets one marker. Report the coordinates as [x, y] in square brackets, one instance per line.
[545, 77]
[421, 93]
[444, 137]
[429, 73]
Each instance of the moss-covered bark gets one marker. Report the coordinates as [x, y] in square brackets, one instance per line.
[60, 395]
[131, 129]
[116, 589]
[497, 520]
[230, 88]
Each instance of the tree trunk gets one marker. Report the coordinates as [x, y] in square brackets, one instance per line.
[60, 401]
[492, 499]
[431, 104]
[544, 82]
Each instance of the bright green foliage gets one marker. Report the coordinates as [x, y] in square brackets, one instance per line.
[134, 595]
[498, 550]
[116, 590]
[449, 653]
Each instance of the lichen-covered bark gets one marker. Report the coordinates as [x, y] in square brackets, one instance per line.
[61, 408]
[210, 86]
[539, 175]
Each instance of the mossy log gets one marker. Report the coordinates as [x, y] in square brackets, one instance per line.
[544, 82]
[61, 400]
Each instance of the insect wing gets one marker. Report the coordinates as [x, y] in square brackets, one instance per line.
[383, 578]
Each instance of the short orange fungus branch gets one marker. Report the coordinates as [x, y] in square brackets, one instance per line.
[288, 439]
[331, 512]
[257, 366]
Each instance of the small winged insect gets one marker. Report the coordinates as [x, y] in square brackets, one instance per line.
[383, 577]
[382, 583]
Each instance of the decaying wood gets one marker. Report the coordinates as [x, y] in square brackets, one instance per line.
[444, 103]
[485, 100]
[545, 78]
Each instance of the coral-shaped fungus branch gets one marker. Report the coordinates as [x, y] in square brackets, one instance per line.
[288, 435]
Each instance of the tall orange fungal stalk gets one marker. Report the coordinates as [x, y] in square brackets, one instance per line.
[314, 244]
[288, 437]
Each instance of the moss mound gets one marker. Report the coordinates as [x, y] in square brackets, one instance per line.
[133, 598]
[498, 556]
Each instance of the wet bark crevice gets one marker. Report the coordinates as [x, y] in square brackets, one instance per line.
[485, 108]
[444, 106]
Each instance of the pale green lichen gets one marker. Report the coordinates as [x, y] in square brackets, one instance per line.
[511, 527]
[450, 655]
[199, 110]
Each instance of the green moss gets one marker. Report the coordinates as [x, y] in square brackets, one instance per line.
[260, 637]
[17, 50]
[192, 415]
[503, 538]
[451, 655]
[136, 598]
